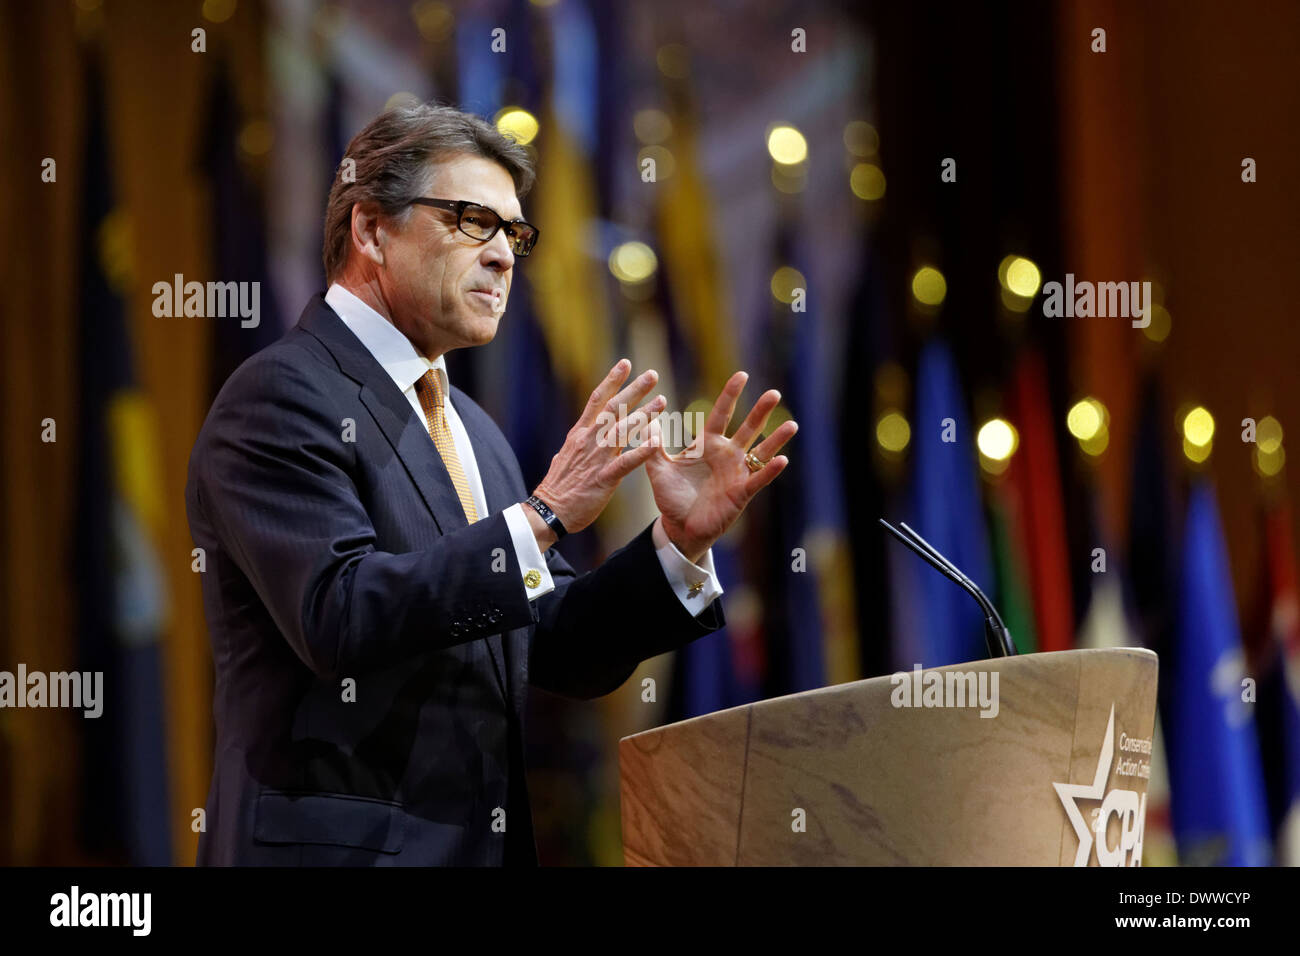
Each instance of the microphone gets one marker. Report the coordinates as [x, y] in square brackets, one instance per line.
[996, 635]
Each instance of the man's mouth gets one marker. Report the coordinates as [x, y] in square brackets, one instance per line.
[491, 296]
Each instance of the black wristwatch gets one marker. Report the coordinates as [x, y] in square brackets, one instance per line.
[548, 516]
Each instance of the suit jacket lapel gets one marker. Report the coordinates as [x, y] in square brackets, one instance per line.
[407, 434]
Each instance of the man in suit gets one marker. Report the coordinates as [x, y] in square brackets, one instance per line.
[380, 586]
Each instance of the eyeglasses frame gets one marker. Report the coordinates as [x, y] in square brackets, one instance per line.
[458, 206]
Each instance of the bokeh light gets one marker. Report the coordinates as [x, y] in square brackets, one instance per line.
[517, 123]
[1157, 330]
[434, 19]
[1088, 421]
[1023, 277]
[786, 145]
[997, 439]
[633, 262]
[652, 126]
[893, 432]
[929, 286]
[1268, 434]
[861, 139]
[867, 181]
[784, 281]
[1085, 419]
[1198, 426]
[218, 11]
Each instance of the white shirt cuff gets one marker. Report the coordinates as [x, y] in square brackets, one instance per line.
[696, 586]
[532, 566]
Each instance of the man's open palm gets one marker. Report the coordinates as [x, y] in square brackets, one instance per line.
[702, 491]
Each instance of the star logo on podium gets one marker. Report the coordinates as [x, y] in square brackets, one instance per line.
[1071, 793]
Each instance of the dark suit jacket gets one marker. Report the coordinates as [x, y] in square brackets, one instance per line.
[339, 569]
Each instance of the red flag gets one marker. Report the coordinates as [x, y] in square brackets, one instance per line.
[1037, 481]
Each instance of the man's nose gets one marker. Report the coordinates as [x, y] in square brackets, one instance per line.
[497, 253]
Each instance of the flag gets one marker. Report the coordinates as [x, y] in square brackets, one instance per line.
[1279, 686]
[1216, 780]
[805, 387]
[1152, 534]
[806, 563]
[568, 268]
[121, 591]
[882, 568]
[239, 235]
[684, 223]
[480, 74]
[1012, 597]
[1035, 476]
[1151, 571]
[947, 511]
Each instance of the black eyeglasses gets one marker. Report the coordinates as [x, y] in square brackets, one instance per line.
[480, 222]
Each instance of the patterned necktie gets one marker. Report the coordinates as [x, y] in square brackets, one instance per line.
[429, 391]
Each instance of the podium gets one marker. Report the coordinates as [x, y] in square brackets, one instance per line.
[854, 774]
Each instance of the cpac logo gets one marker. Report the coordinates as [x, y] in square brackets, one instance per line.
[1126, 805]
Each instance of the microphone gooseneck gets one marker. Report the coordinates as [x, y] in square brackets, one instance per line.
[996, 636]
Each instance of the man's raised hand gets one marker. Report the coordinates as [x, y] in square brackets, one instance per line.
[701, 492]
[588, 467]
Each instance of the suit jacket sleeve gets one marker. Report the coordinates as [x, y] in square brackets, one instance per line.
[272, 477]
[594, 629]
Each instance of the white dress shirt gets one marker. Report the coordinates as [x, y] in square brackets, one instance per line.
[696, 586]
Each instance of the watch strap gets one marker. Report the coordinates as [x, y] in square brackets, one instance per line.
[552, 520]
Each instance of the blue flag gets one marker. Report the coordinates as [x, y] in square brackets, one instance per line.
[948, 512]
[1215, 777]
[480, 78]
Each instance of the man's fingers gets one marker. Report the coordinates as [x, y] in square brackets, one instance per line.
[638, 389]
[723, 408]
[603, 391]
[634, 458]
[630, 426]
[756, 420]
[639, 421]
[759, 479]
[774, 442]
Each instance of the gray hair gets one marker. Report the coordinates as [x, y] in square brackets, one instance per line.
[392, 157]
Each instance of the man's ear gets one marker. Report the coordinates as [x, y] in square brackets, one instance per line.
[369, 231]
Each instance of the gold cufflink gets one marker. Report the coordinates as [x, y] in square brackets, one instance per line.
[696, 588]
[533, 578]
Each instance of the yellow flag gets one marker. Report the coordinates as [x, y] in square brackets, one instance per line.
[566, 271]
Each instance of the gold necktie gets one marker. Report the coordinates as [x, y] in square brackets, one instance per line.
[429, 390]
